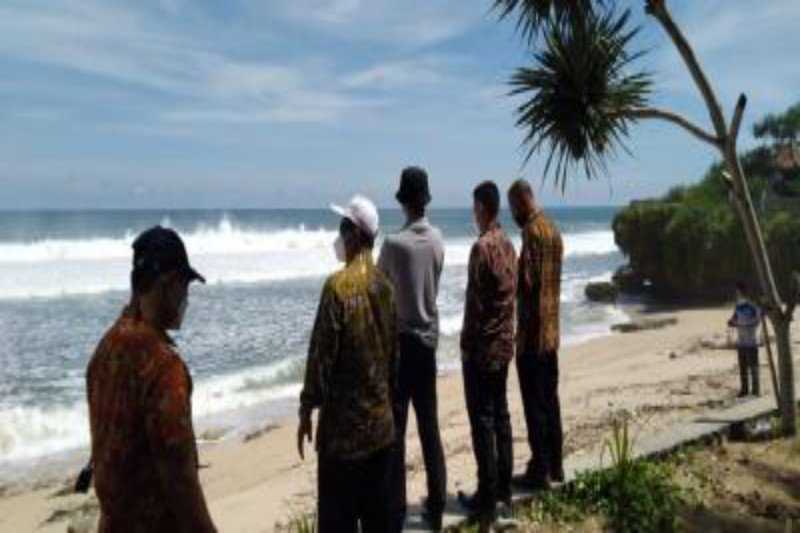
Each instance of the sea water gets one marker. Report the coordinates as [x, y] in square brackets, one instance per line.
[64, 279]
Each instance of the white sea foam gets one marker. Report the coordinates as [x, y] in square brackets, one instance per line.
[225, 253]
[31, 432]
[579, 244]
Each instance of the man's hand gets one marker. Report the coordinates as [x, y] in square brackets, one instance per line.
[304, 431]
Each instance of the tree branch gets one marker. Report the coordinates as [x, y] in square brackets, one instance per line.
[792, 303]
[658, 9]
[662, 114]
[738, 113]
[726, 176]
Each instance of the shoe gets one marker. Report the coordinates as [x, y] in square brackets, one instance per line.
[557, 475]
[433, 519]
[530, 483]
[505, 509]
[470, 503]
[504, 520]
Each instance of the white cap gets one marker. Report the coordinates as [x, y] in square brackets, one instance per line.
[361, 212]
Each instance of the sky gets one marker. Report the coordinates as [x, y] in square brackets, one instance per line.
[297, 103]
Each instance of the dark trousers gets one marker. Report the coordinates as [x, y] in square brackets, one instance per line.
[353, 492]
[417, 385]
[748, 368]
[538, 383]
[487, 407]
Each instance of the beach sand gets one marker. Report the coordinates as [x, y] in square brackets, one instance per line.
[655, 378]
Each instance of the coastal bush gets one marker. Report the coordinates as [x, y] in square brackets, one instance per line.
[631, 496]
[690, 245]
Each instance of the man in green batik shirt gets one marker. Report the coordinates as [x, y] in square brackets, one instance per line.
[350, 377]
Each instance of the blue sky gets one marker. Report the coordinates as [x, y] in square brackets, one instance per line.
[294, 103]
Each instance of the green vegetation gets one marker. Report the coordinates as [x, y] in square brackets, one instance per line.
[631, 496]
[690, 244]
[601, 292]
[299, 523]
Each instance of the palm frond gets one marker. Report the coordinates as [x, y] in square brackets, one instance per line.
[533, 16]
[579, 93]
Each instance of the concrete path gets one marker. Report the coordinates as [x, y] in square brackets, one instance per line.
[708, 425]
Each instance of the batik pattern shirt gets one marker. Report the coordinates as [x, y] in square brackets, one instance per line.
[539, 287]
[139, 393]
[487, 336]
[352, 362]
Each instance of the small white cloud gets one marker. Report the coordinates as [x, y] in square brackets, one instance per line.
[406, 24]
[397, 74]
[305, 106]
[740, 51]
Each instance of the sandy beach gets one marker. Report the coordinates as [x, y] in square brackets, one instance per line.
[655, 377]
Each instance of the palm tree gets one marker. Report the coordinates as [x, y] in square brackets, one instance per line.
[582, 99]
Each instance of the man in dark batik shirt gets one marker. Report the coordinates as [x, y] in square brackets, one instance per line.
[350, 377]
[139, 390]
[487, 346]
[538, 336]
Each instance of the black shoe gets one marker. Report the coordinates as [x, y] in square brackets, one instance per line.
[480, 517]
[470, 503]
[433, 519]
[504, 516]
[505, 500]
[530, 483]
[557, 475]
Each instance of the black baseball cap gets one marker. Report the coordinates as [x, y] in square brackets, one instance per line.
[413, 187]
[159, 250]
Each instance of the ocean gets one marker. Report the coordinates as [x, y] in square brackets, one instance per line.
[64, 279]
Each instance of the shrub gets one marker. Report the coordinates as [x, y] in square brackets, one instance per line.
[632, 495]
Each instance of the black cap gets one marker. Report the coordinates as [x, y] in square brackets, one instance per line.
[160, 250]
[413, 187]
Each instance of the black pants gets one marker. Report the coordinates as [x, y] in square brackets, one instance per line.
[417, 385]
[353, 492]
[748, 368]
[487, 407]
[538, 383]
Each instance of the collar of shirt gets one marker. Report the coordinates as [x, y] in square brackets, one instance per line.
[536, 213]
[493, 226]
[362, 261]
[130, 314]
[421, 222]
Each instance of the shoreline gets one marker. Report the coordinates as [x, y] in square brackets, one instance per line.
[655, 378]
[239, 423]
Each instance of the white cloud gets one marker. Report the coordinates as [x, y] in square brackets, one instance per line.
[407, 24]
[134, 47]
[300, 107]
[744, 47]
[397, 74]
[327, 11]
